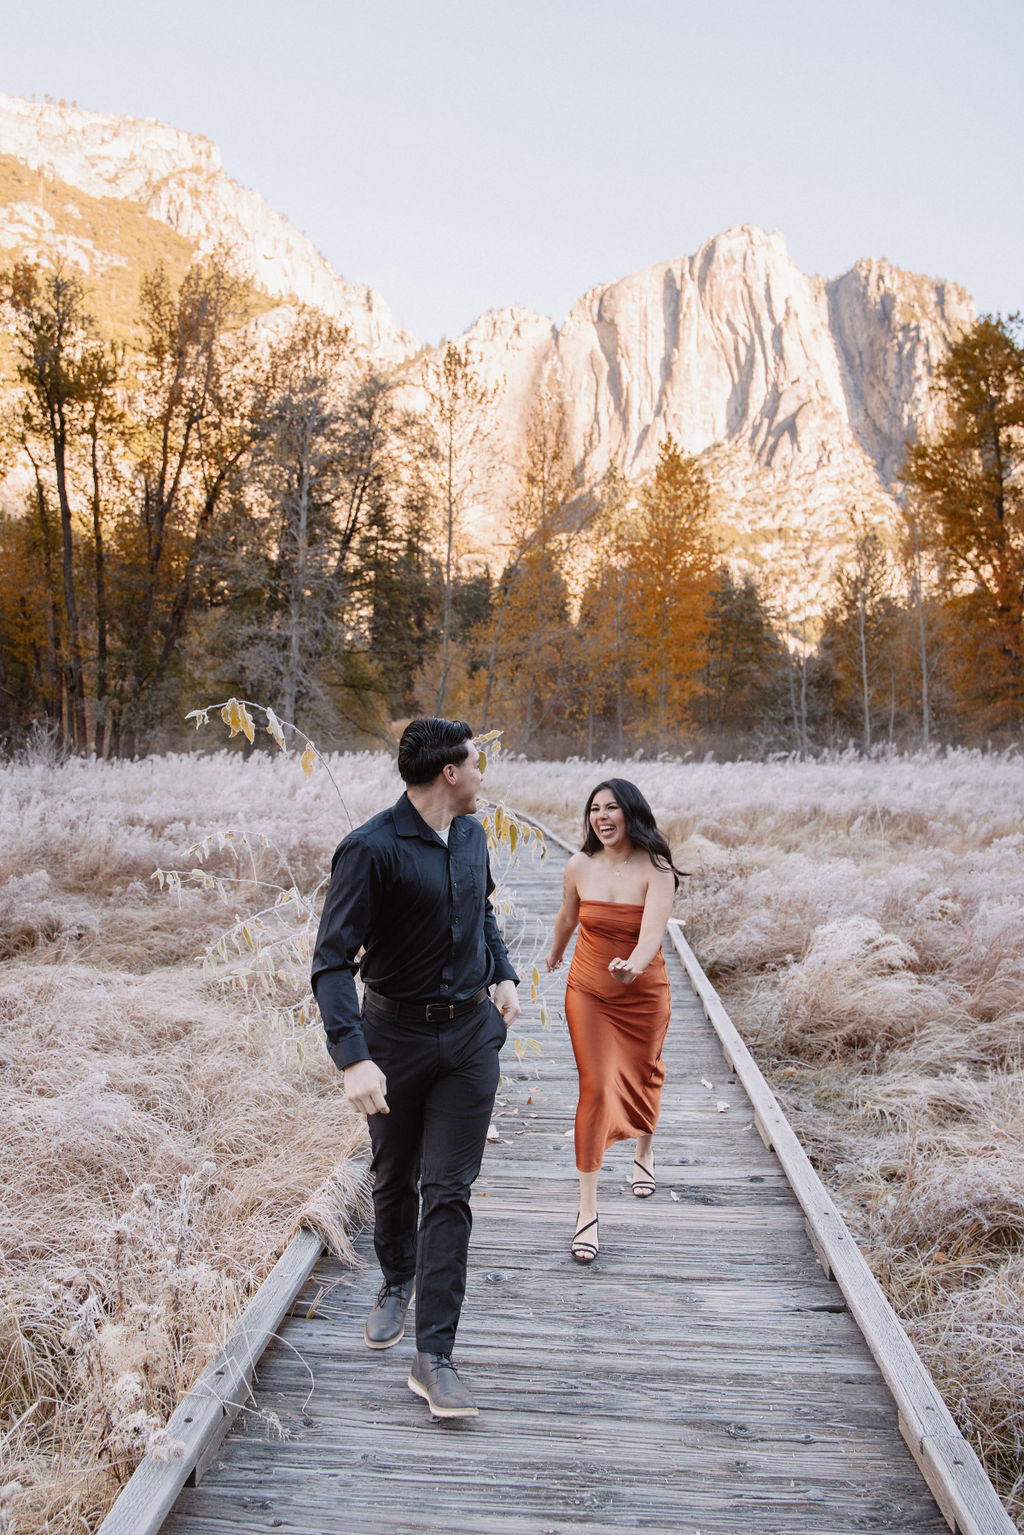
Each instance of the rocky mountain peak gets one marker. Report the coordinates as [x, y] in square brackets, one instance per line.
[178, 179]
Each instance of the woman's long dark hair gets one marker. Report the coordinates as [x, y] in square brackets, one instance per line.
[641, 828]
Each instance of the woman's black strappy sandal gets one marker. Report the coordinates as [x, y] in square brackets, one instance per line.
[584, 1252]
[644, 1187]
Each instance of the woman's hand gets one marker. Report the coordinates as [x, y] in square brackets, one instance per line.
[553, 961]
[624, 970]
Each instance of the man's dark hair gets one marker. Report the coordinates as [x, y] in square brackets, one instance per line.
[428, 745]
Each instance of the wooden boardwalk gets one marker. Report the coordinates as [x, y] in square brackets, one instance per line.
[703, 1376]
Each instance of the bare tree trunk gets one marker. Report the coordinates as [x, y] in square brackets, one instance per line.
[446, 622]
[298, 586]
[492, 658]
[73, 679]
[863, 644]
[100, 579]
[52, 668]
[798, 700]
[917, 589]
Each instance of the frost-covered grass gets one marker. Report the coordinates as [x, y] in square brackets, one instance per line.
[160, 1138]
[864, 921]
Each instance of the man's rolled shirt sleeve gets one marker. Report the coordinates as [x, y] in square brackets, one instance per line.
[344, 925]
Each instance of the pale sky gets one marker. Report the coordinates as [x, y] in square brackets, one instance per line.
[462, 155]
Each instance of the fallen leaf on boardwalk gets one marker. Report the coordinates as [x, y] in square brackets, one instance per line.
[673, 1195]
[709, 1085]
[529, 1100]
[568, 1135]
[492, 1133]
[721, 1107]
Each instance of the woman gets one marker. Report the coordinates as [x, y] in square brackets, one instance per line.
[619, 888]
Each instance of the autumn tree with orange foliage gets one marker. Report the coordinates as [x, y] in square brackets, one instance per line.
[527, 642]
[670, 565]
[65, 375]
[603, 658]
[967, 496]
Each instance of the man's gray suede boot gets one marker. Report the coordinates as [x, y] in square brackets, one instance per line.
[435, 1378]
[386, 1322]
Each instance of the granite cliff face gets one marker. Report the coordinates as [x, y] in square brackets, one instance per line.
[178, 179]
[799, 392]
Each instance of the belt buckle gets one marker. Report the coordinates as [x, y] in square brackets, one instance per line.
[445, 1009]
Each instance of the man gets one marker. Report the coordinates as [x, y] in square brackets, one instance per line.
[411, 888]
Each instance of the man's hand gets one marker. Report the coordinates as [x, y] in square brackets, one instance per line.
[366, 1087]
[506, 1000]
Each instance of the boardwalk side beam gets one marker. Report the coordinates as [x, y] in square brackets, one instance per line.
[203, 1417]
[957, 1479]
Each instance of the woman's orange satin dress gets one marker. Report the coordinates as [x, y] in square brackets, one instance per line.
[617, 1032]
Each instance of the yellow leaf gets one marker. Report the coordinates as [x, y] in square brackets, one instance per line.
[246, 724]
[231, 714]
[308, 759]
[481, 761]
[513, 835]
[275, 729]
[499, 820]
[535, 976]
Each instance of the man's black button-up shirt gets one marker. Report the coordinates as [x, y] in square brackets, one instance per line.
[420, 911]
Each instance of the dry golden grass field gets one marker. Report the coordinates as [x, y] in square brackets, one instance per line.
[165, 1123]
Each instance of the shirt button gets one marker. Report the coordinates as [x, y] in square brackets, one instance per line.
[444, 988]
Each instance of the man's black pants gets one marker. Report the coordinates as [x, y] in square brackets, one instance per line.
[441, 1081]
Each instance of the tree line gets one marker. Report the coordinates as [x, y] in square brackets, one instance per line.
[214, 507]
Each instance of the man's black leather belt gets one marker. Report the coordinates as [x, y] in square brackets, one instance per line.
[424, 1012]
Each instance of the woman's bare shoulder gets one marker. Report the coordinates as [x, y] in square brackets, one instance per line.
[575, 867]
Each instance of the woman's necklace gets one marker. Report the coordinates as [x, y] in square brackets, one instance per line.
[617, 868]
